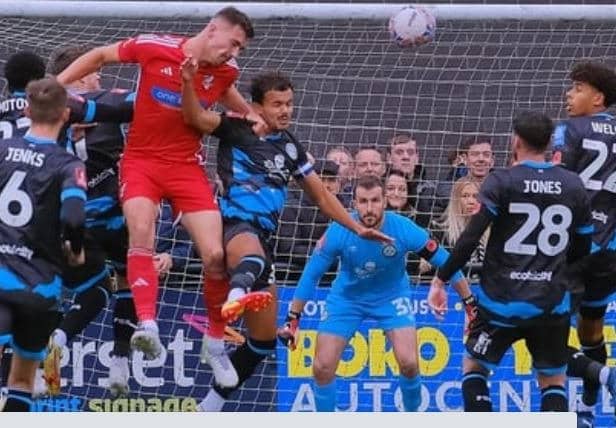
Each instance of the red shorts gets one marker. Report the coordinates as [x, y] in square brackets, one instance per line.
[184, 185]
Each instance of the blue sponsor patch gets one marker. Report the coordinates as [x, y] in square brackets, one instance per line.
[167, 97]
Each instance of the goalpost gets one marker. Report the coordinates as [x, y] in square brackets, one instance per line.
[354, 88]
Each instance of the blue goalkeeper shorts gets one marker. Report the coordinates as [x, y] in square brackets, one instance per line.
[343, 317]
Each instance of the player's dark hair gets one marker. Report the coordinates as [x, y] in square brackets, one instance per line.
[64, 56]
[535, 128]
[235, 17]
[599, 76]
[21, 68]
[268, 81]
[46, 100]
[368, 182]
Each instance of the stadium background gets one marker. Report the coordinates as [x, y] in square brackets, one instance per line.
[353, 88]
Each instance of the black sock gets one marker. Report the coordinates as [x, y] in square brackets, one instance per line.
[247, 272]
[579, 365]
[475, 392]
[18, 401]
[598, 353]
[5, 365]
[124, 322]
[86, 306]
[245, 359]
[554, 399]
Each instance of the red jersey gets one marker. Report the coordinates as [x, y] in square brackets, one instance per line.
[158, 130]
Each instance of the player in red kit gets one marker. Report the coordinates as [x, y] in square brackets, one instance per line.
[162, 160]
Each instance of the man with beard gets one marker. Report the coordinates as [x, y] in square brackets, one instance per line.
[372, 283]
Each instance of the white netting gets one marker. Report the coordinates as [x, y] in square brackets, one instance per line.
[353, 88]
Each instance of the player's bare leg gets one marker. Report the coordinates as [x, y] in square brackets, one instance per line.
[141, 213]
[327, 356]
[261, 343]
[404, 343]
[246, 262]
[205, 229]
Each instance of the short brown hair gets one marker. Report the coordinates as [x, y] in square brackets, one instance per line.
[64, 56]
[46, 100]
[236, 17]
[368, 182]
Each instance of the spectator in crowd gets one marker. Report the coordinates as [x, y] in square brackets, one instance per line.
[463, 203]
[302, 223]
[369, 161]
[397, 193]
[403, 157]
[479, 160]
[346, 169]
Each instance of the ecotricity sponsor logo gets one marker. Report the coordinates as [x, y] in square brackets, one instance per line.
[531, 276]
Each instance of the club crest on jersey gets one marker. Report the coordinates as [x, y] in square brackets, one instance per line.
[279, 161]
[291, 150]
[389, 250]
[208, 81]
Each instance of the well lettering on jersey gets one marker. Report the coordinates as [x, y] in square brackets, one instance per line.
[542, 186]
[603, 128]
[26, 156]
[13, 104]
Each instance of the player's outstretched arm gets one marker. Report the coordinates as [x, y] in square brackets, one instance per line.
[194, 115]
[331, 207]
[90, 62]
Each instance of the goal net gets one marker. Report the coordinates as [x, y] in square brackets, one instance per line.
[354, 89]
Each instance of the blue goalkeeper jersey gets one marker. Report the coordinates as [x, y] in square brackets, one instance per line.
[370, 271]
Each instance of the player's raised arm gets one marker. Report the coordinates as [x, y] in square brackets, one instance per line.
[90, 62]
[196, 116]
[331, 207]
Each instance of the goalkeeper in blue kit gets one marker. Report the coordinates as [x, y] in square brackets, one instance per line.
[372, 282]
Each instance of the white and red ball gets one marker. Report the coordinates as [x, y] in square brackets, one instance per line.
[412, 26]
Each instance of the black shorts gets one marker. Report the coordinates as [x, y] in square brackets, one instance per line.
[597, 272]
[233, 227]
[102, 246]
[27, 328]
[546, 341]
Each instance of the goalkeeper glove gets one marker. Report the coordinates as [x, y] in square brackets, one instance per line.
[288, 333]
[472, 312]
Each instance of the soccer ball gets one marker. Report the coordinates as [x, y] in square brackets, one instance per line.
[412, 26]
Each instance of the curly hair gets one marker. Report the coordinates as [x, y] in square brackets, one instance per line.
[599, 76]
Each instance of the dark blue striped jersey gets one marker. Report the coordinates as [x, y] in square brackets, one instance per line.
[255, 172]
[537, 207]
[36, 176]
[587, 146]
[100, 148]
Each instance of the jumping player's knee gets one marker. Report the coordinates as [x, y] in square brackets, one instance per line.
[213, 260]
